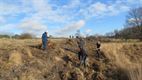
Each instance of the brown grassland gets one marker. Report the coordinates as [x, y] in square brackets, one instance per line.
[24, 60]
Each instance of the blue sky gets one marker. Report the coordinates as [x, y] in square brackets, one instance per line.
[63, 17]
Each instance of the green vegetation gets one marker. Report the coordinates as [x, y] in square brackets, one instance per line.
[21, 36]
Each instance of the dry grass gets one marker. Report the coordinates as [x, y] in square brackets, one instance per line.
[15, 58]
[121, 58]
[24, 60]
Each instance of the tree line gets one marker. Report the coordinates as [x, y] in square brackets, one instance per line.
[132, 28]
[19, 36]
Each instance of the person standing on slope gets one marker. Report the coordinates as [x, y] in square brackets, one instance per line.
[82, 55]
[98, 44]
[44, 40]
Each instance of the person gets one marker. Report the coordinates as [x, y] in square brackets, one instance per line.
[80, 42]
[82, 55]
[98, 44]
[44, 40]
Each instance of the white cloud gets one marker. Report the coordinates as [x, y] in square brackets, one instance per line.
[32, 26]
[44, 11]
[7, 9]
[88, 31]
[29, 26]
[2, 20]
[134, 1]
[5, 29]
[100, 9]
[39, 11]
[71, 28]
[96, 9]
[133, 20]
[11, 9]
[72, 4]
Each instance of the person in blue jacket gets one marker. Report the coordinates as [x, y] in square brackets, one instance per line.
[44, 40]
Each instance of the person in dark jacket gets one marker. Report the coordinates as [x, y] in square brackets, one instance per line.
[44, 40]
[82, 55]
[80, 42]
[98, 44]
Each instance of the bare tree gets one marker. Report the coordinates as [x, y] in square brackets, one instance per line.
[78, 34]
[134, 18]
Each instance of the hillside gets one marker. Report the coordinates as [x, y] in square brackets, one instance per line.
[24, 60]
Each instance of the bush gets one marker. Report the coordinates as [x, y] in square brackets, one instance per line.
[25, 36]
[4, 36]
